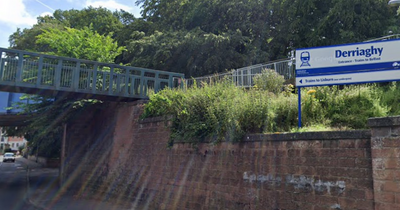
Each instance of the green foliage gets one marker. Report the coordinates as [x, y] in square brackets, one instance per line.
[285, 109]
[311, 108]
[315, 128]
[349, 107]
[26, 39]
[102, 20]
[269, 80]
[44, 130]
[209, 36]
[215, 112]
[389, 95]
[83, 44]
[319, 23]
[194, 53]
[223, 111]
[99, 19]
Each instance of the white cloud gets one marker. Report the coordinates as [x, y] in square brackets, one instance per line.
[109, 4]
[46, 13]
[13, 13]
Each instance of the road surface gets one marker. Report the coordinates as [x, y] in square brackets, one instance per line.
[13, 186]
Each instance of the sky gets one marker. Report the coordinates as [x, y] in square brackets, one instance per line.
[23, 13]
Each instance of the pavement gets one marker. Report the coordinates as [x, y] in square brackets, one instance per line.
[44, 192]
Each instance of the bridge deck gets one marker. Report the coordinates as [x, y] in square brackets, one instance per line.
[27, 72]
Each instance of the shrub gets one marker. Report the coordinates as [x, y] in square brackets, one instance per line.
[212, 112]
[285, 113]
[350, 106]
[390, 97]
[222, 111]
[312, 109]
[353, 105]
[269, 80]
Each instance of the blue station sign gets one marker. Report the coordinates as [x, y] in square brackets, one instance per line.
[348, 64]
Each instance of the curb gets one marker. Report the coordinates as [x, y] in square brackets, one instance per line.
[27, 198]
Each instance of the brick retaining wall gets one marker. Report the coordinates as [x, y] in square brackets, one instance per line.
[126, 160]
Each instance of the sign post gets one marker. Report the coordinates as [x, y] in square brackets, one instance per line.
[356, 63]
[299, 100]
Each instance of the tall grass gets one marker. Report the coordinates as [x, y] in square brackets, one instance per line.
[223, 111]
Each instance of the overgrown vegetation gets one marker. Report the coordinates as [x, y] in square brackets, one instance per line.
[223, 111]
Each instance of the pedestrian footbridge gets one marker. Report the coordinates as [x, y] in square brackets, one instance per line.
[33, 73]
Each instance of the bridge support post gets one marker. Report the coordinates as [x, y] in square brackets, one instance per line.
[18, 78]
[40, 68]
[94, 80]
[62, 164]
[57, 74]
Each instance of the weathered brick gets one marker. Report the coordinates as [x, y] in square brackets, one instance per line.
[347, 144]
[385, 197]
[347, 203]
[363, 143]
[391, 163]
[346, 162]
[288, 174]
[391, 186]
[386, 206]
[365, 204]
[363, 162]
[356, 194]
[383, 153]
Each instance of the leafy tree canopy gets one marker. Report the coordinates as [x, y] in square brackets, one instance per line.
[100, 20]
[44, 131]
[83, 44]
[209, 36]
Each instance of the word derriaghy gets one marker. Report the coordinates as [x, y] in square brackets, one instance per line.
[359, 52]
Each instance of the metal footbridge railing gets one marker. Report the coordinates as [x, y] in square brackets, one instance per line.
[27, 72]
[244, 77]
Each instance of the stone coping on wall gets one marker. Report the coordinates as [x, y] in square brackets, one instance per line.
[320, 135]
[155, 119]
[384, 121]
[323, 135]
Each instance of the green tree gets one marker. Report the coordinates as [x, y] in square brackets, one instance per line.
[44, 130]
[298, 24]
[25, 39]
[83, 44]
[208, 36]
[101, 20]
[194, 53]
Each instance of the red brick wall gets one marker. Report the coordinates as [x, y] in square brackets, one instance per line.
[386, 162]
[127, 161]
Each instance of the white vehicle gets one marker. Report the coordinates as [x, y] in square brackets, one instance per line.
[9, 156]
